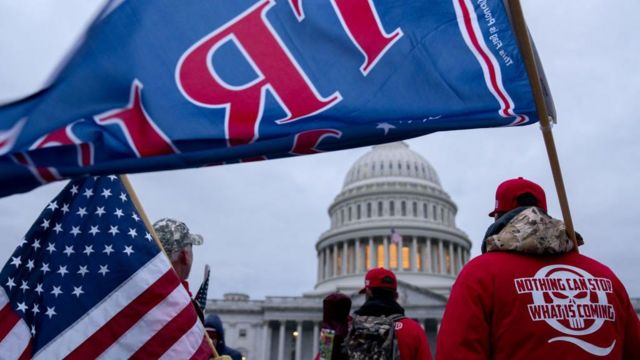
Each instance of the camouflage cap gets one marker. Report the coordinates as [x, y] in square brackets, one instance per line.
[174, 235]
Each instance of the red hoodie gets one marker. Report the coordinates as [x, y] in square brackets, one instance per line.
[512, 306]
[412, 340]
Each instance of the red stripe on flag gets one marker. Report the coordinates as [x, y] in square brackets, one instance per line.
[204, 351]
[109, 333]
[8, 319]
[168, 335]
[492, 71]
[26, 354]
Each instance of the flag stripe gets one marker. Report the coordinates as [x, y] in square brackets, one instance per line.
[76, 334]
[102, 339]
[15, 335]
[151, 323]
[204, 350]
[491, 69]
[8, 320]
[187, 345]
[26, 354]
[170, 333]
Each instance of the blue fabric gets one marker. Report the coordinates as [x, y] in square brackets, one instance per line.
[134, 69]
[213, 321]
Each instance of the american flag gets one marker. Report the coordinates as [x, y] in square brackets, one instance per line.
[88, 281]
[203, 291]
[395, 237]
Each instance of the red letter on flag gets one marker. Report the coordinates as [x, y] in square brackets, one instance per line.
[305, 143]
[276, 68]
[360, 20]
[144, 137]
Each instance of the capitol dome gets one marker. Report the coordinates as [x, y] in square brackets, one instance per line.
[391, 190]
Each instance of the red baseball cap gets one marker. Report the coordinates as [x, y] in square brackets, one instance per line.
[380, 278]
[508, 192]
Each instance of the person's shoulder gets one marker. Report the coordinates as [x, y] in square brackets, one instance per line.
[408, 324]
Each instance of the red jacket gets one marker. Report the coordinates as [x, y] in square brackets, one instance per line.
[512, 306]
[412, 340]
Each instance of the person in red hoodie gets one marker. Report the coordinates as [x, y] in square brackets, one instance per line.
[531, 295]
[381, 302]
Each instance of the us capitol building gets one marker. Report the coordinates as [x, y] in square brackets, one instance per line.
[390, 187]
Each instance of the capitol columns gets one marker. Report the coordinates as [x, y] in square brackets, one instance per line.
[372, 262]
[358, 257]
[299, 341]
[441, 256]
[316, 337]
[385, 253]
[281, 340]
[266, 338]
[414, 254]
[399, 246]
[344, 258]
[429, 255]
[335, 260]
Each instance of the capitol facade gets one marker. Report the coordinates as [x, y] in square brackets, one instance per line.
[392, 212]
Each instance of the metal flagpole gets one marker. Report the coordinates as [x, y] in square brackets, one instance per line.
[147, 224]
[522, 35]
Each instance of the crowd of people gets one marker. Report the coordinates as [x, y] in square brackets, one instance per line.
[530, 295]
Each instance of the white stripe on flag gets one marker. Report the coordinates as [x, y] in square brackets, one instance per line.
[476, 32]
[17, 340]
[187, 345]
[148, 325]
[77, 333]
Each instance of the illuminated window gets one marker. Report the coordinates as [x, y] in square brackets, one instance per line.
[350, 262]
[393, 256]
[419, 258]
[406, 258]
[380, 256]
[367, 257]
[447, 260]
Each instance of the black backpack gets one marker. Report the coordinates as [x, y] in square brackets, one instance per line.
[373, 338]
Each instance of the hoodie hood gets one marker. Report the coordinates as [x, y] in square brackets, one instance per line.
[528, 230]
[213, 321]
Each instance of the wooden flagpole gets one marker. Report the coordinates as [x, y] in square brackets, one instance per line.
[136, 202]
[522, 35]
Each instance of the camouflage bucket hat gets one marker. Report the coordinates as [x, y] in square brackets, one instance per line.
[174, 235]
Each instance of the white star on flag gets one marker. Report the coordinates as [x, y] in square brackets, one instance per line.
[104, 269]
[56, 291]
[52, 206]
[118, 213]
[83, 270]
[113, 230]
[65, 208]
[108, 249]
[82, 212]
[128, 250]
[62, 270]
[45, 224]
[57, 228]
[100, 211]
[132, 233]
[68, 250]
[77, 291]
[88, 249]
[88, 193]
[75, 230]
[94, 230]
[106, 193]
[50, 312]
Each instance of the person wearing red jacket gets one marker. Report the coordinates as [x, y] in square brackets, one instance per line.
[381, 300]
[531, 295]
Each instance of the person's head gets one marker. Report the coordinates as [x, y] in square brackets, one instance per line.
[514, 193]
[335, 312]
[213, 327]
[177, 242]
[380, 283]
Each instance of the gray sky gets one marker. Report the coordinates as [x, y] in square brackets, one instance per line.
[261, 220]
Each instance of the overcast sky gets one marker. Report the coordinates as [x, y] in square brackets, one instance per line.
[261, 220]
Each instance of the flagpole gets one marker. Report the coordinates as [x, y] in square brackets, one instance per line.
[522, 35]
[136, 202]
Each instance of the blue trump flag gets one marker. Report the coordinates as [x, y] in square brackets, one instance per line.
[176, 84]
